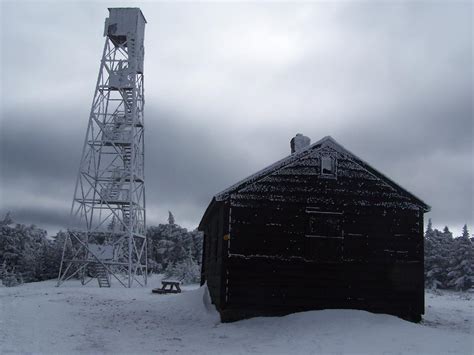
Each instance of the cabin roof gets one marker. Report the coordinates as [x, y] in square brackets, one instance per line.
[128, 9]
[326, 141]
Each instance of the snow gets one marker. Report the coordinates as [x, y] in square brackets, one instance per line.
[40, 318]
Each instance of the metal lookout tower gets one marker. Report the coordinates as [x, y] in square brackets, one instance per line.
[107, 239]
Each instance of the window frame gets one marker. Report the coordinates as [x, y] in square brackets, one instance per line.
[313, 211]
[326, 246]
[333, 161]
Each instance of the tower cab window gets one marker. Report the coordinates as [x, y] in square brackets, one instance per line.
[328, 166]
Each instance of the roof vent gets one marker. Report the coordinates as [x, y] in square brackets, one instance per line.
[299, 142]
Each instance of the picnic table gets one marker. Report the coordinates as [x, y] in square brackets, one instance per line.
[168, 286]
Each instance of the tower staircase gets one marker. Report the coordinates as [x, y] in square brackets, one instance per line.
[126, 214]
[128, 99]
[102, 275]
[127, 157]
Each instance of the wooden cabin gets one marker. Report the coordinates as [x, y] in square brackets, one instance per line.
[318, 229]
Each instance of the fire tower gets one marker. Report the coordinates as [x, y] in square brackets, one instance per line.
[107, 237]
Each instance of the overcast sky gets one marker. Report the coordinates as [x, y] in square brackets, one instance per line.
[228, 84]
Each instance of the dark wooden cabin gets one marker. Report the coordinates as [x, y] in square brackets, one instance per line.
[318, 229]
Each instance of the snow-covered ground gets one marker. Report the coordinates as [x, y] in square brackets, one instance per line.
[41, 318]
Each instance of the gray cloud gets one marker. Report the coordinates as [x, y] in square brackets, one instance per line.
[227, 86]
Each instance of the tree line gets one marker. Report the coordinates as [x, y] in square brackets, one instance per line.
[448, 261]
[27, 254]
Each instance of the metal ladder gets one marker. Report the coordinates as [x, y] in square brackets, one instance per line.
[126, 214]
[102, 275]
[127, 156]
[128, 106]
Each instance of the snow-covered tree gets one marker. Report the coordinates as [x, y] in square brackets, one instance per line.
[172, 249]
[11, 279]
[429, 229]
[170, 218]
[437, 255]
[447, 234]
[460, 271]
[22, 250]
[196, 245]
[186, 271]
[7, 219]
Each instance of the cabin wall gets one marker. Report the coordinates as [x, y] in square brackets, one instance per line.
[376, 263]
[215, 253]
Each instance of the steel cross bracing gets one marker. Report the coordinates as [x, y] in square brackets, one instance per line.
[107, 238]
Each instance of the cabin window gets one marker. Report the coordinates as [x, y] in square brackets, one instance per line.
[328, 166]
[324, 239]
[324, 224]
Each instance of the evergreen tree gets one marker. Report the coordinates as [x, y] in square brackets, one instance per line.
[429, 229]
[51, 256]
[437, 252]
[196, 245]
[186, 271]
[170, 218]
[174, 250]
[460, 272]
[21, 252]
[447, 234]
[7, 219]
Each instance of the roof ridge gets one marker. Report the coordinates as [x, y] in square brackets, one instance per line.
[276, 165]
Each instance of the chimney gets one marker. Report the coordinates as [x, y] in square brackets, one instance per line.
[299, 142]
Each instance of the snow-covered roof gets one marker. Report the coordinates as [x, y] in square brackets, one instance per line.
[326, 141]
[269, 169]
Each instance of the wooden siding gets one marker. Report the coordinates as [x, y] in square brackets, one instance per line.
[215, 254]
[266, 283]
[280, 231]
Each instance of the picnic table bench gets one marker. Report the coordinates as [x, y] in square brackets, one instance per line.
[168, 286]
